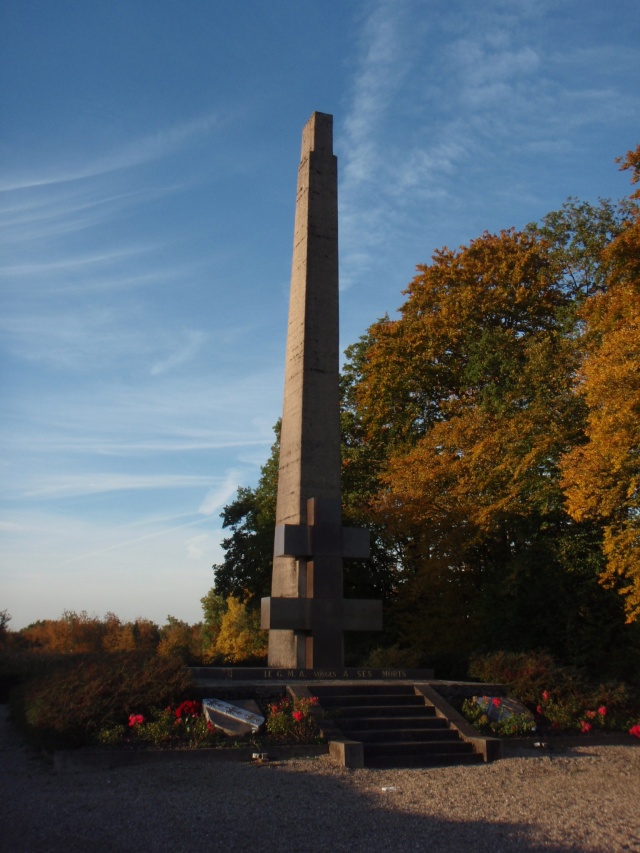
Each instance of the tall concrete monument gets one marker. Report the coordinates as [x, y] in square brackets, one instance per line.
[307, 613]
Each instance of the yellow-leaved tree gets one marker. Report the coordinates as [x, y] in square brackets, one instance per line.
[240, 638]
[601, 478]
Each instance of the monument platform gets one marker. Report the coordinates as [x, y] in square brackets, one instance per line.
[286, 675]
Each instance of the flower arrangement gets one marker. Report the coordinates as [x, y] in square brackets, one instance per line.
[480, 711]
[183, 726]
[293, 721]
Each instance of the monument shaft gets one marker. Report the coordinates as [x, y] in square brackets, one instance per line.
[306, 614]
[310, 437]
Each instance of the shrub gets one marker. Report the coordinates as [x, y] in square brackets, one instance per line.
[527, 674]
[89, 694]
[561, 698]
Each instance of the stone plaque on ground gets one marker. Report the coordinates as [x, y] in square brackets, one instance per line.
[234, 719]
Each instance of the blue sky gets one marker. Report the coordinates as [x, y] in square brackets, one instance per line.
[148, 164]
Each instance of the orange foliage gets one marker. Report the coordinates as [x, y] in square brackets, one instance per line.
[474, 384]
[602, 478]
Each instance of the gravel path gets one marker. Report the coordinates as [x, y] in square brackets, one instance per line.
[584, 799]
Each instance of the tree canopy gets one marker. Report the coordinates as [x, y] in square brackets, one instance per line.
[491, 442]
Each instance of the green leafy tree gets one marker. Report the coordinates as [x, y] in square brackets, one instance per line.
[246, 570]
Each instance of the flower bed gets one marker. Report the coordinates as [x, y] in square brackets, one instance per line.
[552, 715]
[185, 726]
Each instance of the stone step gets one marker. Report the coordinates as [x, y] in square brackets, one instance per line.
[395, 725]
[410, 747]
[379, 711]
[323, 690]
[429, 723]
[370, 700]
[398, 762]
[415, 735]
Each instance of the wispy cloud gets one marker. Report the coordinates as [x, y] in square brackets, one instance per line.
[194, 341]
[101, 483]
[75, 262]
[216, 498]
[419, 124]
[126, 543]
[55, 212]
[153, 146]
[169, 414]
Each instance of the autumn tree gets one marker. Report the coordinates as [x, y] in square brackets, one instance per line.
[214, 606]
[5, 618]
[467, 402]
[180, 639]
[241, 639]
[602, 476]
[139, 635]
[455, 418]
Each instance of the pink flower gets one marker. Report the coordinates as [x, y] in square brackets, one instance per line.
[586, 727]
[635, 730]
[298, 716]
[545, 696]
[135, 720]
[497, 701]
[602, 711]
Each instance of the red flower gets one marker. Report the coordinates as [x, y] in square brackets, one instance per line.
[545, 696]
[497, 701]
[135, 720]
[314, 700]
[539, 710]
[298, 716]
[602, 711]
[188, 708]
[586, 727]
[635, 730]
[591, 714]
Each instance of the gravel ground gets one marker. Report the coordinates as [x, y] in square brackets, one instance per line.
[581, 799]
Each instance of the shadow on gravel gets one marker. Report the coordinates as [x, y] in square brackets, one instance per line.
[185, 805]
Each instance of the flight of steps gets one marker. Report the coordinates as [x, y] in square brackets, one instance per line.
[395, 725]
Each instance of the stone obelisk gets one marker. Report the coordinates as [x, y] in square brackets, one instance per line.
[307, 614]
